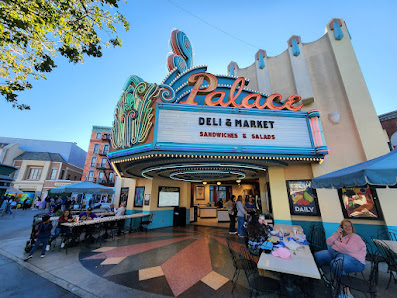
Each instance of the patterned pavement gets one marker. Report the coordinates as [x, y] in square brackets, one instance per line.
[182, 262]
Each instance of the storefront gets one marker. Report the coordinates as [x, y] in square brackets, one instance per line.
[264, 130]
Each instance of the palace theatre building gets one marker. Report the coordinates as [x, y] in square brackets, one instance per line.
[265, 130]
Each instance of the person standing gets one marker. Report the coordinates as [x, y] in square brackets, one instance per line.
[241, 213]
[44, 233]
[67, 204]
[230, 206]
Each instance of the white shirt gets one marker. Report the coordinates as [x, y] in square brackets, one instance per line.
[120, 211]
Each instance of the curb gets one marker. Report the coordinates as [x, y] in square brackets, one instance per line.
[51, 278]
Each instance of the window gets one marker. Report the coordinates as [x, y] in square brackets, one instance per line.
[34, 174]
[62, 174]
[90, 176]
[16, 174]
[68, 177]
[111, 177]
[96, 149]
[101, 176]
[98, 135]
[103, 162]
[93, 161]
[53, 174]
[106, 149]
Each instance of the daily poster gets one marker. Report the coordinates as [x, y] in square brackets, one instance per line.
[358, 202]
[124, 195]
[302, 198]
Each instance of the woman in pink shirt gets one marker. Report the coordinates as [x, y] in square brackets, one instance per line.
[345, 243]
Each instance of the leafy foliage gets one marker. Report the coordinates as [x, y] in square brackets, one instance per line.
[33, 32]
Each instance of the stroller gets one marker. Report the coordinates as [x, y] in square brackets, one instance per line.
[32, 240]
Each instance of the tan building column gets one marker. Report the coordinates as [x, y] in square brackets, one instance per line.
[263, 192]
[279, 194]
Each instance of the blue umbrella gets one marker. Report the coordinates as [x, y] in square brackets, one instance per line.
[377, 172]
[83, 187]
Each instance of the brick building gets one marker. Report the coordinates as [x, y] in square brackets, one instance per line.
[389, 123]
[96, 168]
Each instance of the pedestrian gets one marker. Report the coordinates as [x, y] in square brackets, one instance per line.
[231, 208]
[25, 205]
[63, 204]
[8, 206]
[67, 204]
[43, 236]
[241, 213]
[47, 203]
[38, 203]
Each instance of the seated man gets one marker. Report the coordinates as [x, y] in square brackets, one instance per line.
[120, 211]
[87, 215]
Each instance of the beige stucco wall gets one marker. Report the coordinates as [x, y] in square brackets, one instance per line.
[339, 87]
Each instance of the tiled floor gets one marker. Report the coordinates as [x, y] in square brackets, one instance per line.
[171, 262]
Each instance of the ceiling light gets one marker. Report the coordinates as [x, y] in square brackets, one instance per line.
[218, 183]
[204, 182]
[238, 181]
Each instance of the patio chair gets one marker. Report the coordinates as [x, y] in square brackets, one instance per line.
[336, 267]
[236, 261]
[362, 285]
[317, 239]
[256, 282]
[147, 222]
[387, 234]
[390, 257]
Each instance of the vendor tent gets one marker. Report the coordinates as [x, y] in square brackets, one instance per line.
[83, 187]
[377, 172]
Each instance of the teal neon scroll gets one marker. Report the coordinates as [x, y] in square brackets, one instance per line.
[134, 113]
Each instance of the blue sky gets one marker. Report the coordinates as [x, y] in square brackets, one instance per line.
[75, 97]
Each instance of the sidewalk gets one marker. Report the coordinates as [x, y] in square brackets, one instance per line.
[184, 262]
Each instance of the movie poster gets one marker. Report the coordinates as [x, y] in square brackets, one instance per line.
[124, 195]
[358, 202]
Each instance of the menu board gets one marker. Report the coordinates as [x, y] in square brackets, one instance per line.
[168, 196]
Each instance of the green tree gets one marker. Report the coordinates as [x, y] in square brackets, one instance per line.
[34, 32]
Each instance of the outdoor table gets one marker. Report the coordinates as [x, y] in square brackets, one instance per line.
[105, 219]
[301, 262]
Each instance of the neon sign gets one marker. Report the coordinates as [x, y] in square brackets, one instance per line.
[252, 100]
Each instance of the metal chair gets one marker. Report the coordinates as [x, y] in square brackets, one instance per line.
[387, 234]
[390, 258]
[256, 282]
[147, 222]
[317, 239]
[236, 261]
[336, 274]
[362, 285]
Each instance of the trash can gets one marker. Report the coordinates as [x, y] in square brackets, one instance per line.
[179, 217]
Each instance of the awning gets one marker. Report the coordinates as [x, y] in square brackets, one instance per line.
[378, 172]
[83, 187]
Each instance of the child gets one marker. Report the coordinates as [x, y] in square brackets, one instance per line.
[43, 236]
